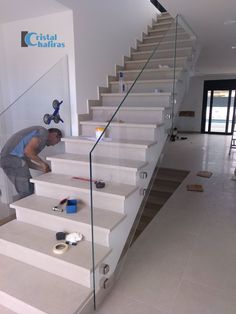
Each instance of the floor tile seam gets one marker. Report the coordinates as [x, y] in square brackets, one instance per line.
[181, 282]
[132, 298]
[209, 287]
[202, 239]
[180, 231]
[176, 294]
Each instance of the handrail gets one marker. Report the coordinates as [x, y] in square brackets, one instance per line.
[12, 104]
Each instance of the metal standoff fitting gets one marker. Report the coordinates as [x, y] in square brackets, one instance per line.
[142, 191]
[105, 283]
[143, 175]
[104, 269]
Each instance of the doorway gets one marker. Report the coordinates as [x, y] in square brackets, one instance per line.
[218, 110]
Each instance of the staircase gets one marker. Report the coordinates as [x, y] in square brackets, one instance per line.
[164, 185]
[32, 278]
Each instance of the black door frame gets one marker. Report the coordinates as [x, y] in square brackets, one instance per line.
[212, 85]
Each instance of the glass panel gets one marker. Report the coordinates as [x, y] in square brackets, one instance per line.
[127, 134]
[35, 107]
[219, 111]
[231, 111]
[208, 111]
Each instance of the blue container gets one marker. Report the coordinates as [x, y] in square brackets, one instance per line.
[71, 207]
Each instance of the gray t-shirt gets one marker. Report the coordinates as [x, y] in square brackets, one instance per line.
[17, 142]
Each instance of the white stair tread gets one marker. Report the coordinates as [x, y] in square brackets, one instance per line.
[121, 124]
[164, 42]
[109, 162]
[180, 32]
[109, 108]
[39, 289]
[119, 191]
[105, 219]
[160, 50]
[162, 69]
[4, 310]
[143, 82]
[43, 240]
[109, 141]
[155, 60]
[161, 23]
[136, 94]
[170, 26]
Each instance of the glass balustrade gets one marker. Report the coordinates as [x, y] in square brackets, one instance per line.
[127, 135]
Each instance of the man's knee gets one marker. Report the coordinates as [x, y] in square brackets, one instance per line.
[23, 186]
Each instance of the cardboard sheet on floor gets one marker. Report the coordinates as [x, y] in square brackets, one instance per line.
[204, 174]
[195, 187]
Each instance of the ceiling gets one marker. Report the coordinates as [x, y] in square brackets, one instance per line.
[11, 10]
[205, 17]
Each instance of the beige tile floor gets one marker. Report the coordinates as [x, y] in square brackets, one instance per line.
[185, 260]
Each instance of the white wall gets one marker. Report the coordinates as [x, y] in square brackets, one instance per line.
[24, 66]
[3, 75]
[104, 32]
[193, 102]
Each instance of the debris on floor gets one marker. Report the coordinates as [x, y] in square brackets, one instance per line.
[195, 187]
[204, 174]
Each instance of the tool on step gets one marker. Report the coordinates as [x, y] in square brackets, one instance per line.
[61, 235]
[73, 238]
[58, 207]
[60, 248]
[100, 184]
[71, 206]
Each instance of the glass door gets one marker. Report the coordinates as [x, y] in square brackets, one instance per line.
[218, 107]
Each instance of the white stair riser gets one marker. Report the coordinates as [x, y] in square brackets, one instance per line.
[58, 224]
[159, 74]
[156, 39]
[100, 200]
[154, 64]
[135, 116]
[164, 17]
[162, 24]
[16, 305]
[106, 150]
[132, 206]
[102, 172]
[120, 234]
[161, 31]
[144, 86]
[123, 132]
[164, 30]
[154, 100]
[161, 54]
[45, 262]
[163, 45]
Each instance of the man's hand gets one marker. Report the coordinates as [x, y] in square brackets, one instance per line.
[45, 167]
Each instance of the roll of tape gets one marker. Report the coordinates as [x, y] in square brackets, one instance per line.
[60, 248]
